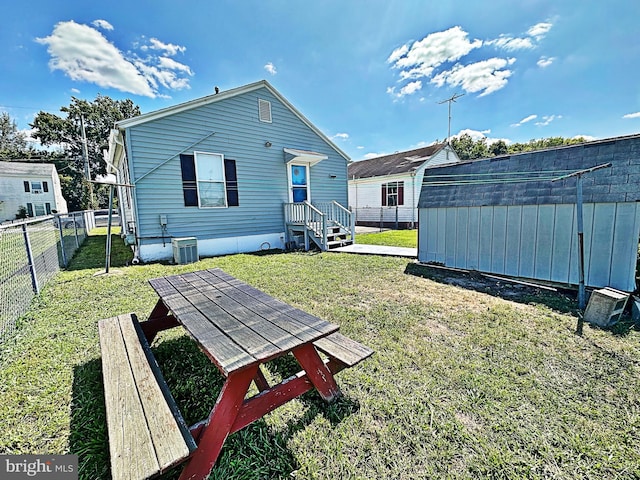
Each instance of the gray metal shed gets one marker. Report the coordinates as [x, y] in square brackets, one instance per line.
[504, 215]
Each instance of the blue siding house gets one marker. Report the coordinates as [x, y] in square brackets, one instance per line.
[241, 170]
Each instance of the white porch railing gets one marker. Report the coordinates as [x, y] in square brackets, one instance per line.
[318, 219]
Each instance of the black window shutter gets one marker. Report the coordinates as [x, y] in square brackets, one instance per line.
[189, 186]
[400, 193]
[232, 182]
[45, 186]
[26, 186]
[30, 209]
[384, 194]
[47, 206]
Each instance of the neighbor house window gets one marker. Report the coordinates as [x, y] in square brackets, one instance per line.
[392, 194]
[209, 180]
[38, 209]
[36, 187]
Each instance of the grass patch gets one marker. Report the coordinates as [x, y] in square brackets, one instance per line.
[463, 384]
[392, 238]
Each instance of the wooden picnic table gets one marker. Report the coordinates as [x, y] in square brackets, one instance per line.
[240, 328]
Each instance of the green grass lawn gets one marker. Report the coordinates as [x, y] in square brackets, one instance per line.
[464, 384]
[394, 238]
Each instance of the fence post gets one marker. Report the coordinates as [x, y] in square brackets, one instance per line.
[75, 229]
[60, 231]
[32, 266]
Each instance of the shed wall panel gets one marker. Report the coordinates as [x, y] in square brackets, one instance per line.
[536, 241]
[512, 246]
[499, 242]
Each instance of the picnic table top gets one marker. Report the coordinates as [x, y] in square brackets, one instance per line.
[236, 324]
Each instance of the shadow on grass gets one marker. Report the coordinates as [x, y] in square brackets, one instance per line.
[560, 300]
[256, 452]
[93, 253]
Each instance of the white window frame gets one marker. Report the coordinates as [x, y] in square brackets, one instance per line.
[199, 181]
[290, 179]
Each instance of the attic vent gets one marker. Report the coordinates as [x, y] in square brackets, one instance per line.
[264, 110]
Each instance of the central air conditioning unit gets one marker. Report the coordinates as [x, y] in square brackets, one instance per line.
[35, 190]
[185, 250]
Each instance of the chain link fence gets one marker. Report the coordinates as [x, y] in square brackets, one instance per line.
[31, 253]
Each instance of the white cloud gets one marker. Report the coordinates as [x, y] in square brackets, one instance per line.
[271, 68]
[75, 90]
[480, 135]
[587, 138]
[524, 120]
[437, 57]
[103, 24]
[372, 155]
[540, 30]
[547, 119]
[433, 50]
[632, 115]
[510, 43]
[85, 54]
[360, 147]
[544, 62]
[171, 64]
[169, 48]
[341, 136]
[486, 76]
[408, 89]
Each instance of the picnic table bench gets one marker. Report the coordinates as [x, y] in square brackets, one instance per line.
[239, 328]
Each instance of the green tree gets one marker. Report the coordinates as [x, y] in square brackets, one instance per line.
[13, 143]
[65, 131]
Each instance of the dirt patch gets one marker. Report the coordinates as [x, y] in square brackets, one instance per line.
[508, 289]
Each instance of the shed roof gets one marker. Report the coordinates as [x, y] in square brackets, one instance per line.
[23, 168]
[394, 164]
[525, 178]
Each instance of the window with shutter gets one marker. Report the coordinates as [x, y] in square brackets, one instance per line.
[209, 180]
[189, 187]
[392, 194]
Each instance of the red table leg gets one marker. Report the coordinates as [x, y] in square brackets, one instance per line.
[317, 371]
[159, 320]
[219, 424]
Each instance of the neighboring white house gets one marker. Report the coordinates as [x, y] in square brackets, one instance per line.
[34, 186]
[384, 191]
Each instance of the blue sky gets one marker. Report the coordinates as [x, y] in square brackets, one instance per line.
[370, 74]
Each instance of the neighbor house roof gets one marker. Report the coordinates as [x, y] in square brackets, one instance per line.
[526, 178]
[22, 168]
[394, 164]
[222, 95]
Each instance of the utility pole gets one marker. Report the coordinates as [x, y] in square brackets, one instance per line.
[87, 169]
[450, 100]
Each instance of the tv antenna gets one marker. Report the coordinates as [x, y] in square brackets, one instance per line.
[450, 100]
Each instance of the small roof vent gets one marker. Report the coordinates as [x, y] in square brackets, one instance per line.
[264, 110]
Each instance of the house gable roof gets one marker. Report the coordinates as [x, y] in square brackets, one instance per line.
[221, 96]
[526, 178]
[24, 168]
[395, 164]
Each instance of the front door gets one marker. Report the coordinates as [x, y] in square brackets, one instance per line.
[299, 183]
